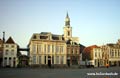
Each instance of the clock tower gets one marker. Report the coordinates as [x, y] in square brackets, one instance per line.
[67, 28]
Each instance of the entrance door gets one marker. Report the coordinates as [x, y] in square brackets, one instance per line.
[14, 62]
[68, 62]
[49, 61]
[1, 62]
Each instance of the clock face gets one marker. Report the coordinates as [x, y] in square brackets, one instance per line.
[67, 19]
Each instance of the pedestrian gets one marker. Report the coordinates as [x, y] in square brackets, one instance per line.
[107, 65]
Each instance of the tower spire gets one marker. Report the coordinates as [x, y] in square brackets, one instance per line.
[67, 20]
[67, 28]
[67, 16]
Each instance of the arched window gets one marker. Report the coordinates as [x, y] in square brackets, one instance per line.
[68, 33]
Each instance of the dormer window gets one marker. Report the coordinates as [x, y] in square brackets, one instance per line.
[55, 38]
[34, 37]
[43, 37]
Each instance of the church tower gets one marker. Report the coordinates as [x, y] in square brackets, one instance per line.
[67, 28]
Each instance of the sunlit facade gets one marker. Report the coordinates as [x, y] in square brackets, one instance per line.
[46, 48]
[51, 49]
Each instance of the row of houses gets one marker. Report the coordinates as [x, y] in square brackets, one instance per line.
[99, 56]
[48, 49]
[45, 48]
[10, 56]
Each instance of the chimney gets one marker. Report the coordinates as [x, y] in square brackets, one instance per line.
[3, 37]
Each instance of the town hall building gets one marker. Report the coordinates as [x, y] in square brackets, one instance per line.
[54, 50]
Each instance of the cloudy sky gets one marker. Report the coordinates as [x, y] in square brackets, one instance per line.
[93, 21]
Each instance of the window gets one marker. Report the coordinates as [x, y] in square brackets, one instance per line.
[52, 59]
[45, 48]
[62, 59]
[77, 51]
[68, 33]
[34, 49]
[52, 48]
[72, 51]
[39, 48]
[34, 59]
[7, 45]
[12, 52]
[39, 59]
[57, 59]
[119, 53]
[45, 60]
[115, 53]
[99, 54]
[12, 46]
[95, 54]
[34, 37]
[61, 49]
[6, 53]
[57, 49]
[112, 53]
[48, 48]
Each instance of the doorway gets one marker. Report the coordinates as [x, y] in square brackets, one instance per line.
[68, 62]
[49, 61]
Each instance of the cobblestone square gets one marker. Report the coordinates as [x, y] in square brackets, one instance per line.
[112, 72]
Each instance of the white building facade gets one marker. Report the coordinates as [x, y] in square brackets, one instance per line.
[94, 56]
[47, 49]
[10, 53]
[51, 49]
[114, 54]
[97, 57]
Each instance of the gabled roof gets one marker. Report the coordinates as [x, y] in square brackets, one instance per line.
[1, 41]
[10, 41]
[88, 49]
[82, 47]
